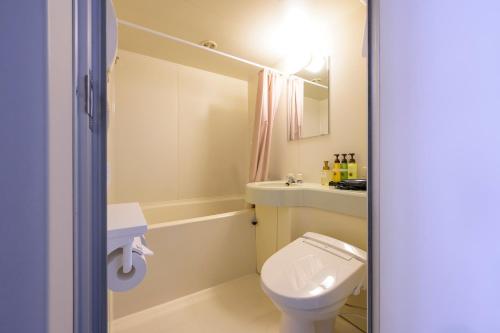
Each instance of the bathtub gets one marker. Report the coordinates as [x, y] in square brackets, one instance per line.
[197, 244]
[171, 211]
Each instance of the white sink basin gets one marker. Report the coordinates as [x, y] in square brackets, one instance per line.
[279, 194]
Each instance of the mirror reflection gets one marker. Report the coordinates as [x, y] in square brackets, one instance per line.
[310, 116]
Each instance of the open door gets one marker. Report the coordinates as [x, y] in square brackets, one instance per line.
[90, 167]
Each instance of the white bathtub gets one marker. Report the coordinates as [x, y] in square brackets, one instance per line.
[197, 244]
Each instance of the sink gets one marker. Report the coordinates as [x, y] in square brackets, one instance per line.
[279, 194]
[280, 185]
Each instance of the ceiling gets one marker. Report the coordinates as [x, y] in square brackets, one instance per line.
[251, 29]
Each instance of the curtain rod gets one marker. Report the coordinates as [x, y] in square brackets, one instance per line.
[224, 54]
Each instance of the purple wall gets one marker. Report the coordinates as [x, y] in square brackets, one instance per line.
[440, 166]
[23, 166]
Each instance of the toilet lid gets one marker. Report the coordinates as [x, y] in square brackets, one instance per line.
[307, 275]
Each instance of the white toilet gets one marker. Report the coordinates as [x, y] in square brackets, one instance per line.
[310, 279]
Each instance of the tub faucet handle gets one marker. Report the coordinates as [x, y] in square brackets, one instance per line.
[300, 178]
[290, 179]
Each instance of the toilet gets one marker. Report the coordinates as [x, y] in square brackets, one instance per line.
[310, 279]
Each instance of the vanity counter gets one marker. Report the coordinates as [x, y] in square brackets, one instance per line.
[279, 194]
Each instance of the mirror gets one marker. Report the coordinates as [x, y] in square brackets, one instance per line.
[316, 110]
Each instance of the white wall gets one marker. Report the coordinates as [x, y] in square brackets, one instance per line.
[36, 168]
[438, 154]
[350, 229]
[60, 176]
[348, 109]
[177, 133]
[23, 145]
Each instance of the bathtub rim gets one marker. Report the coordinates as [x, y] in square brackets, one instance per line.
[184, 202]
[206, 218]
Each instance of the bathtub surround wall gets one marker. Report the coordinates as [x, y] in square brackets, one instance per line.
[177, 133]
[348, 109]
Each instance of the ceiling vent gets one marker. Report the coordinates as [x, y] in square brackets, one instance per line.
[209, 44]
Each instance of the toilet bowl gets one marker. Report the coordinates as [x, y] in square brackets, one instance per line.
[310, 279]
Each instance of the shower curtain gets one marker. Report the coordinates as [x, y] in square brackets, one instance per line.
[268, 96]
[295, 107]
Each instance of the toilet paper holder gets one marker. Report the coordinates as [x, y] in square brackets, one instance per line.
[126, 229]
[136, 245]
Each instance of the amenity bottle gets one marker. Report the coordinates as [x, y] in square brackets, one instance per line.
[325, 174]
[343, 168]
[352, 168]
[336, 169]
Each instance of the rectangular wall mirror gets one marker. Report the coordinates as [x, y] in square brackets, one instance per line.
[316, 106]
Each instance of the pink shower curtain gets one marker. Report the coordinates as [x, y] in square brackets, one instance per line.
[295, 107]
[268, 96]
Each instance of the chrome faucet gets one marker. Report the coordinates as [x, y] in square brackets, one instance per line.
[291, 179]
[300, 178]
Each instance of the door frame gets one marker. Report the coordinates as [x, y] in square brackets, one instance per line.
[89, 174]
[373, 17]
[90, 229]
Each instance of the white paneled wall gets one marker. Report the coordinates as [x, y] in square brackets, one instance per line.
[177, 132]
[213, 150]
[143, 130]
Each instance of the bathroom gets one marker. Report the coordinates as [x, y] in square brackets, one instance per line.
[186, 108]
[222, 252]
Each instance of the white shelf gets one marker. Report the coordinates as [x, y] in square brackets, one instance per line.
[126, 220]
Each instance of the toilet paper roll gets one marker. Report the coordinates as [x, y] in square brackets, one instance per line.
[119, 281]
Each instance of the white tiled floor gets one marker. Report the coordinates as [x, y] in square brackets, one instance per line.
[238, 306]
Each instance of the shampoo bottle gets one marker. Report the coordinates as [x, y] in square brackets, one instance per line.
[325, 174]
[336, 169]
[343, 167]
[352, 168]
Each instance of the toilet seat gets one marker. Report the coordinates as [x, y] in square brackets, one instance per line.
[313, 272]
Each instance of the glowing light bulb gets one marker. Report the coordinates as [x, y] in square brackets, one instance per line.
[316, 65]
[294, 62]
